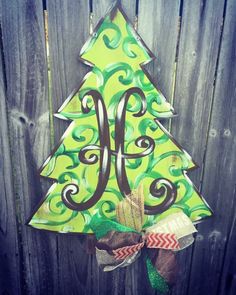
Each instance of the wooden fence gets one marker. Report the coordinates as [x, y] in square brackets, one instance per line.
[195, 42]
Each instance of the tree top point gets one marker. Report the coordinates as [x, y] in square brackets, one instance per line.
[115, 39]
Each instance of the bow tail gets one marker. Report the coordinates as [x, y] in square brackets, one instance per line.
[161, 268]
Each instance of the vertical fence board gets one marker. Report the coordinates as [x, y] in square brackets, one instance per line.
[227, 280]
[197, 58]
[68, 29]
[158, 25]
[24, 53]
[198, 51]
[219, 176]
[120, 281]
[66, 38]
[101, 7]
[9, 254]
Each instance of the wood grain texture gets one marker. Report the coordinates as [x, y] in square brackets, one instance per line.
[158, 25]
[26, 84]
[101, 7]
[214, 257]
[68, 30]
[10, 280]
[197, 58]
[121, 281]
[198, 51]
[227, 280]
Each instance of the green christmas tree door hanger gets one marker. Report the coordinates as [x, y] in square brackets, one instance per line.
[115, 143]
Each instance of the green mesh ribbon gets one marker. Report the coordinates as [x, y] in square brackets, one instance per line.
[156, 280]
[102, 225]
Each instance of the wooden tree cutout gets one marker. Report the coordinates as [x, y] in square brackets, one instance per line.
[115, 142]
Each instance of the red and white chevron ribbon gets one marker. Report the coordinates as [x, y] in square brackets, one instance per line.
[162, 241]
[152, 240]
[124, 252]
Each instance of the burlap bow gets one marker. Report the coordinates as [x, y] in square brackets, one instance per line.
[119, 243]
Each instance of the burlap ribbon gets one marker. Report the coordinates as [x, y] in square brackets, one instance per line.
[119, 243]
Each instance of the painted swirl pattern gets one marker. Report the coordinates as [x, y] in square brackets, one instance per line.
[115, 141]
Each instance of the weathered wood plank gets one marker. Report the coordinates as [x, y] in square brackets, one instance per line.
[68, 30]
[227, 280]
[100, 8]
[158, 25]
[121, 281]
[198, 51]
[214, 252]
[9, 247]
[196, 66]
[27, 98]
